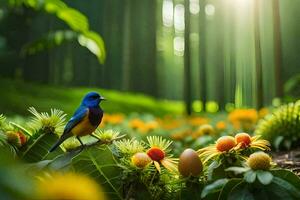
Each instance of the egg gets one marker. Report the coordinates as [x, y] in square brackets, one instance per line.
[189, 163]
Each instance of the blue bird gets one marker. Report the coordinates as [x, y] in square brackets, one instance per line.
[84, 121]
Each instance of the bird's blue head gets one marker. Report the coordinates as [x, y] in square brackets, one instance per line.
[92, 99]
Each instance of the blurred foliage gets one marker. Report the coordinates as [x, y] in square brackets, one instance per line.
[76, 21]
[19, 96]
[14, 183]
[292, 88]
[282, 127]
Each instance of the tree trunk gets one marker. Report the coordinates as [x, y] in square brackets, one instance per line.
[277, 49]
[258, 57]
[187, 59]
[202, 57]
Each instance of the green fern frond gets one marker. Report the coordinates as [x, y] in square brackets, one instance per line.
[282, 127]
[3, 139]
[48, 123]
[4, 125]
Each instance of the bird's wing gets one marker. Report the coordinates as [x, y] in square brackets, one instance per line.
[80, 113]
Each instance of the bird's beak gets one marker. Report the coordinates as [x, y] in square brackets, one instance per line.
[102, 98]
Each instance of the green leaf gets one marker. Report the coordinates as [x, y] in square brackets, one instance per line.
[77, 22]
[278, 141]
[27, 132]
[72, 17]
[90, 40]
[101, 165]
[275, 191]
[228, 187]
[287, 186]
[213, 172]
[250, 176]
[94, 43]
[241, 192]
[63, 161]
[237, 170]
[38, 149]
[48, 41]
[214, 187]
[264, 177]
[288, 176]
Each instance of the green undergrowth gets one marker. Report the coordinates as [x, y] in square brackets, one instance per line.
[17, 96]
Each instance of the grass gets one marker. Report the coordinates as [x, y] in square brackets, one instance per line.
[17, 96]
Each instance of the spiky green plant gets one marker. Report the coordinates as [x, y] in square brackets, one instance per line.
[47, 123]
[129, 146]
[107, 136]
[282, 127]
[4, 125]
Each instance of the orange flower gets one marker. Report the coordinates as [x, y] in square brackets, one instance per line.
[225, 143]
[221, 125]
[244, 140]
[168, 123]
[113, 118]
[152, 125]
[263, 112]
[136, 123]
[23, 138]
[197, 121]
[180, 135]
[158, 152]
[244, 119]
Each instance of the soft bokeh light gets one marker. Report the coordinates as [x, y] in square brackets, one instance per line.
[179, 18]
[194, 7]
[210, 9]
[179, 46]
[167, 11]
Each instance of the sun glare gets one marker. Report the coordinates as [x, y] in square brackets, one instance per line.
[167, 10]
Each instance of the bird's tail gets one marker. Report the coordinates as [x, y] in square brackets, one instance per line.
[61, 140]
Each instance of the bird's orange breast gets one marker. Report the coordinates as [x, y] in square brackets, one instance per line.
[84, 127]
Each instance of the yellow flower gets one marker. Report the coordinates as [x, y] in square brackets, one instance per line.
[48, 123]
[205, 129]
[180, 135]
[158, 152]
[244, 140]
[223, 145]
[259, 161]
[69, 186]
[70, 144]
[107, 136]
